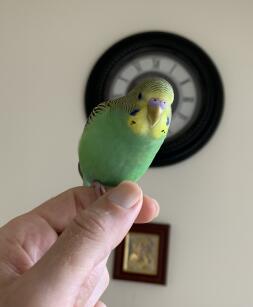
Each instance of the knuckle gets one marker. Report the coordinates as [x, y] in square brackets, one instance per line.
[92, 223]
[74, 196]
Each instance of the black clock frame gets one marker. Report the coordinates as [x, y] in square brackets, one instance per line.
[212, 94]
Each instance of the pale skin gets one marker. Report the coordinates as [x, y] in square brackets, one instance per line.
[55, 255]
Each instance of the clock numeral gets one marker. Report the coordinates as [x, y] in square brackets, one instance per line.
[137, 66]
[156, 63]
[170, 131]
[185, 81]
[188, 99]
[123, 79]
[182, 116]
[172, 69]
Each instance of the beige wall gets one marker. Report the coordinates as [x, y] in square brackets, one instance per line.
[47, 49]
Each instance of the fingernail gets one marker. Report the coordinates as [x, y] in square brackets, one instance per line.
[157, 207]
[125, 195]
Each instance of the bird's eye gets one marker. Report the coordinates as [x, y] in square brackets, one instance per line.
[134, 112]
[140, 96]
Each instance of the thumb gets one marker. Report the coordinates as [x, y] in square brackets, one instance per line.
[88, 240]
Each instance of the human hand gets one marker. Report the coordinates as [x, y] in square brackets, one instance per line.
[55, 255]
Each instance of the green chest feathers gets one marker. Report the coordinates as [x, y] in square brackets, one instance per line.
[123, 135]
[110, 152]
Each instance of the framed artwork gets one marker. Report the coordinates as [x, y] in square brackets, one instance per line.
[143, 254]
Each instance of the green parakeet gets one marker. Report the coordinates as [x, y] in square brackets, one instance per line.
[122, 136]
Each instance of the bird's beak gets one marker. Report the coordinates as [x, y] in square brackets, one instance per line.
[154, 113]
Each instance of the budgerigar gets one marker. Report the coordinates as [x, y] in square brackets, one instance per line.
[122, 136]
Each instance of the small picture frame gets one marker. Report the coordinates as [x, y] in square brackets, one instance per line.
[143, 254]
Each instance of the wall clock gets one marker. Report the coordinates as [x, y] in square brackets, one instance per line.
[198, 103]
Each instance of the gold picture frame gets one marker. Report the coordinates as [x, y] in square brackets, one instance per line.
[142, 256]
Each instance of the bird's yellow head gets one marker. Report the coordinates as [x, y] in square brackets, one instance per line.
[151, 113]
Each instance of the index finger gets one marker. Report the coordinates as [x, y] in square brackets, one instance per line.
[61, 210]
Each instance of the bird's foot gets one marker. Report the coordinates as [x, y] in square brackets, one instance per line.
[99, 188]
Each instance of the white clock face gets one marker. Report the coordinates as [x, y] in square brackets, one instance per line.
[183, 80]
[199, 99]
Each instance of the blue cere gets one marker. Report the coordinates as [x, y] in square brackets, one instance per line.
[134, 112]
